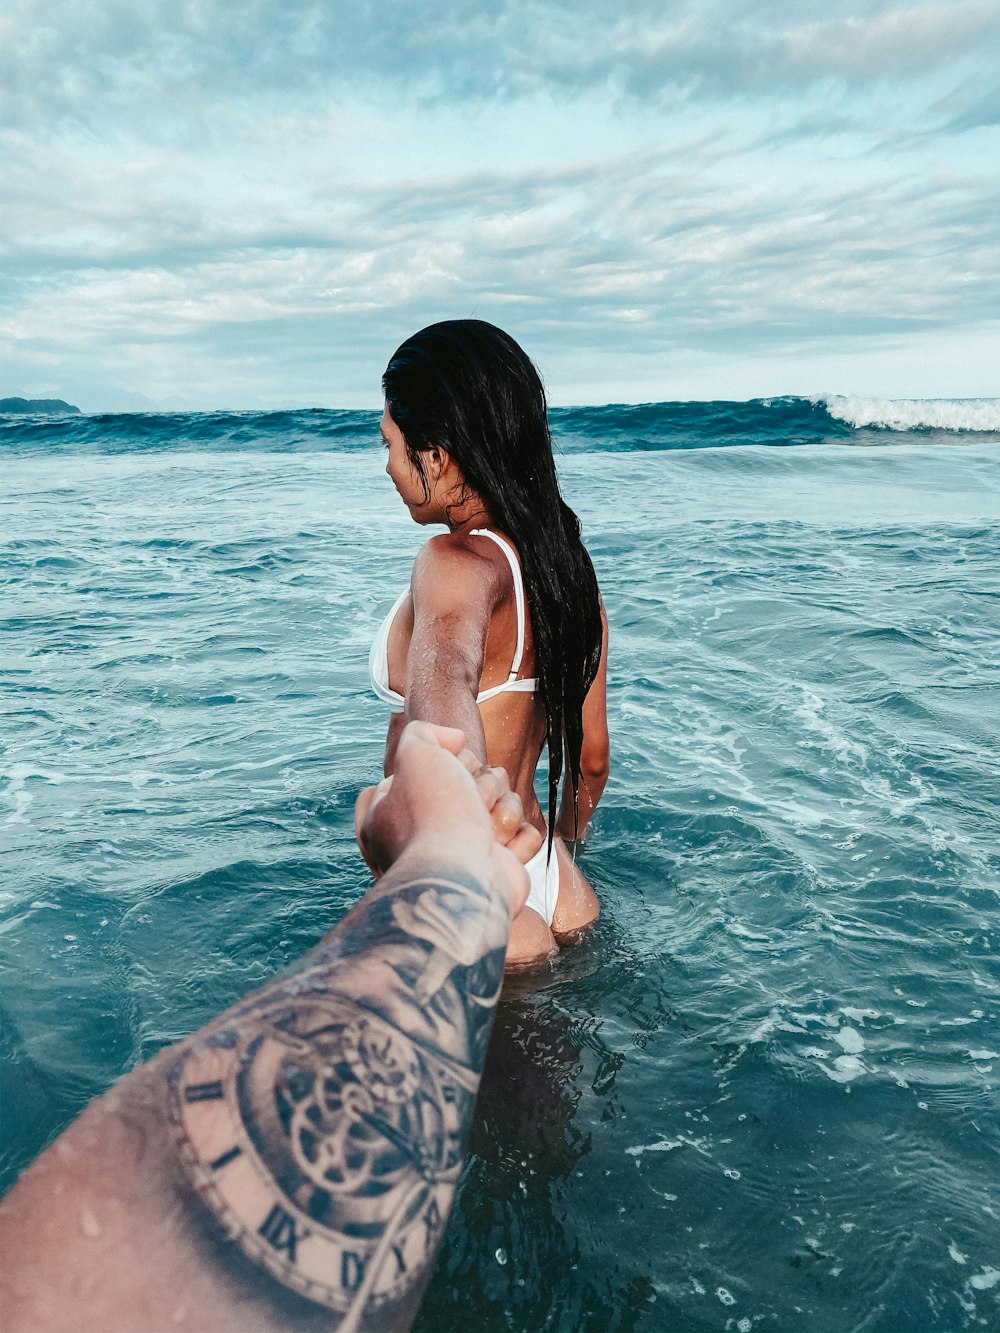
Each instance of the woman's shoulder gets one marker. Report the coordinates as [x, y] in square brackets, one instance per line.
[480, 547]
[455, 566]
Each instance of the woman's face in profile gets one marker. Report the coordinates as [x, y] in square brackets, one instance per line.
[400, 470]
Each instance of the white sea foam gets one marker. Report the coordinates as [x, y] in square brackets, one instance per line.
[859, 1015]
[850, 1040]
[972, 414]
[845, 1069]
[668, 1145]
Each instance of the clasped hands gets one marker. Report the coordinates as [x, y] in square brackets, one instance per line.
[443, 800]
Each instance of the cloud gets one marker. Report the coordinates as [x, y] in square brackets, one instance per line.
[644, 248]
[79, 60]
[254, 203]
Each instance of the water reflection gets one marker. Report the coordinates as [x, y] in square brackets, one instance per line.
[512, 1252]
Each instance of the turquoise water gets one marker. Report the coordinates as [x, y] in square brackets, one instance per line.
[764, 1095]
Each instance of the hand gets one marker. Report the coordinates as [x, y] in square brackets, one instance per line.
[510, 828]
[442, 794]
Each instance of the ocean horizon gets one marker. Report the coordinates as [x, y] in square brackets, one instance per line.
[697, 423]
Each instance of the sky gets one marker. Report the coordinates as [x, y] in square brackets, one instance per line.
[213, 205]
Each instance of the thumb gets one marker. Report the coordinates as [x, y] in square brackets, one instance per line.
[364, 810]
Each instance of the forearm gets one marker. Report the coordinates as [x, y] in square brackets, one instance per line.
[291, 1165]
[589, 791]
[595, 753]
[448, 699]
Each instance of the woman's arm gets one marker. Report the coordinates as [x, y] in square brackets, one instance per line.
[291, 1165]
[595, 755]
[454, 589]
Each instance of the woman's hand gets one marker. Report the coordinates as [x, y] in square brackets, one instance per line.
[510, 828]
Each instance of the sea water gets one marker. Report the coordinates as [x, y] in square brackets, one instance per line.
[763, 1095]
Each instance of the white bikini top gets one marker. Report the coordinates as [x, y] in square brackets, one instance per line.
[378, 660]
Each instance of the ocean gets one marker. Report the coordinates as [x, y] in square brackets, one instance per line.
[763, 1095]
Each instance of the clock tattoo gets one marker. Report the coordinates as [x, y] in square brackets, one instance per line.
[328, 1143]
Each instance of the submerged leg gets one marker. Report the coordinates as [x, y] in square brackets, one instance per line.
[577, 906]
[531, 941]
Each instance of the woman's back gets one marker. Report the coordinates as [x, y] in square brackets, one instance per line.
[513, 718]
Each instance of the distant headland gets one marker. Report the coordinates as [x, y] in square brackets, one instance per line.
[47, 405]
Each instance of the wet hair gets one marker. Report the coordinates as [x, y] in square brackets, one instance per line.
[467, 387]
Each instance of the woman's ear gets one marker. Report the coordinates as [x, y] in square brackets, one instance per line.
[437, 461]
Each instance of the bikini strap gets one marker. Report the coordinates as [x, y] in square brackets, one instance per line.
[518, 577]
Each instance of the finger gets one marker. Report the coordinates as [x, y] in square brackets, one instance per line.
[364, 816]
[451, 739]
[362, 806]
[494, 776]
[525, 843]
[470, 760]
[507, 815]
[513, 880]
[493, 786]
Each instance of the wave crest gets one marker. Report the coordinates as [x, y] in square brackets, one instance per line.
[965, 414]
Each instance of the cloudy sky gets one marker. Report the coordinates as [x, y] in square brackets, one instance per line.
[218, 204]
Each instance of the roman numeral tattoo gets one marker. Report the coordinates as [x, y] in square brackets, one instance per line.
[204, 1092]
[352, 1271]
[225, 1158]
[323, 1122]
[278, 1229]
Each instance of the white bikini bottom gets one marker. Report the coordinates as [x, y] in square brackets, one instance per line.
[544, 883]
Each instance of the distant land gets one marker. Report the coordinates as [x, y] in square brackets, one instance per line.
[47, 405]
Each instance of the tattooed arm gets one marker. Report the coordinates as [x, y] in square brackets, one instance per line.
[291, 1165]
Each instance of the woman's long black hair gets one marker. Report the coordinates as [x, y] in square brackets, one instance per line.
[467, 387]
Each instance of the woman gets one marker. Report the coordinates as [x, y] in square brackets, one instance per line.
[501, 631]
